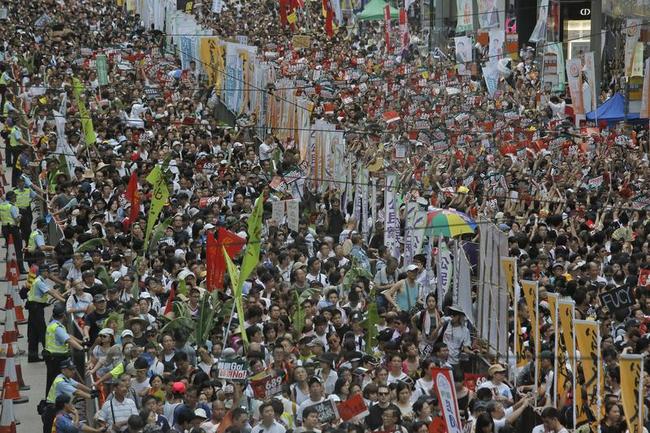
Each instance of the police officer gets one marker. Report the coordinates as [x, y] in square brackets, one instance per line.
[10, 220]
[16, 142]
[36, 242]
[24, 198]
[57, 343]
[63, 384]
[36, 303]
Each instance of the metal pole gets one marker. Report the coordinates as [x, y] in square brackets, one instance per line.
[227, 330]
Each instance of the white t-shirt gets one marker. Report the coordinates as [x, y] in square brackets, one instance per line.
[501, 389]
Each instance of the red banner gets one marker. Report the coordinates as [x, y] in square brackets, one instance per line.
[644, 277]
[387, 28]
[351, 407]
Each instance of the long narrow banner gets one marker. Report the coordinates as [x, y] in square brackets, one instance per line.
[645, 96]
[530, 294]
[387, 28]
[444, 385]
[84, 116]
[539, 32]
[159, 199]
[632, 33]
[509, 267]
[553, 299]
[631, 367]
[574, 75]
[391, 220]
[588, 401]
[566, 358]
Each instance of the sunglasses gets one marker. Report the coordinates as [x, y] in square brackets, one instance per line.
[383, 393]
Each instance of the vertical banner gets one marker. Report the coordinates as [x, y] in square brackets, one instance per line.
[365, 188]
[574, 75]
[211, 54]
[293, 214]
[101, 63]
[509, 267]
[554, 67]
[566, 350]
[497, 39]
[391, 220]
[587, 396]
[631, 367]
[645, 96]
[590, 74]
[159, 199]
[387, 28]
[463, 45]
[529, 290]
[444, 385]
[409, 232]
[491, 77]
[277, 211]
[553, 299]
[464, 292]
[488, 14]
[444, 269]
[632, 31]
[539, 32]
[403, 29]
[465, 16]
[373, 203]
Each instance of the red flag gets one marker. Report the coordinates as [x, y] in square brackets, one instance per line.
[329, 19]
[216, 263]
[283, 12]
[169, 306]
[135, 210]
[132, 188]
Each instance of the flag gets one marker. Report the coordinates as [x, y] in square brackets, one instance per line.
[587, 397]
[631, 367]
[329, 18]
[565, 353]
[529, 292]
[252, 253]
[445, 269]
[86, 121]
[159, 199]
[169, 306]
[132, 187]
[509, 267]
[539, 32]
[283, 12]
[236, 285]
[216, 264]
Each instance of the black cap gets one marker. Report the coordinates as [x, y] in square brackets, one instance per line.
[58, 310]
[67, 363]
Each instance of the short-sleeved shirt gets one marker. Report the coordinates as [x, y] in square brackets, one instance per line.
[66, 386]
[63, 424]
[113, 411]
[61, 335]
[41, 287]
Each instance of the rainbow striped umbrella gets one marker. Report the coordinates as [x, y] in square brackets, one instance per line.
[449, 223]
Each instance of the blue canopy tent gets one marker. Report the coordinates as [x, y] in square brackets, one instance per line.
[612, 110]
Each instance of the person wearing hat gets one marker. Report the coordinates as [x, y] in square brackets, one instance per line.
[500, 391]
[10, 220]
[406, 293]
[37, 299]
[67, 418]
[455, 335]
[57, 343]
[63, 384]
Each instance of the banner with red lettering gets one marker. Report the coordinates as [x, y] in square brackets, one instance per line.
[443, 382]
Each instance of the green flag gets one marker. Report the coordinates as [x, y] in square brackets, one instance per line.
[252, 253]
[86, 121]
[159, 199]
[235, 283]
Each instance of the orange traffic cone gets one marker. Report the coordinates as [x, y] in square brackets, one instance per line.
[7, 417]
[11, 387]
[9, 337]
[12, 275]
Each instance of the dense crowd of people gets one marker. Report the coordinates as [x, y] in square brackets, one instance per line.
[330, 313]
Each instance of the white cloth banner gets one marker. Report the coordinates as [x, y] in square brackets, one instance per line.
[465, 15]
[590, 72]
[445, 269]
[632, 32]
[574, 74]
[463, 295]
[293, 210]
[277, 212]
[391, 220]
[539, 32]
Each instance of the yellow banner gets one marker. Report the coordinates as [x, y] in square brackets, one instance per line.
[84, 115]
[529, 293]
[211, 53]
[235, 284]
[509, 267]
[631, 388]
[159, 199]
[565, 349]
[587, 335]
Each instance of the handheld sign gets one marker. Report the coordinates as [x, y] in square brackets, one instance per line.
[618, 298]
[236, 369]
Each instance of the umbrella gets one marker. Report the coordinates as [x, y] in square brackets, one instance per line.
[449, 223]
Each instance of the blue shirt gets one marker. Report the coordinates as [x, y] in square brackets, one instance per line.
[41, 287]
[63, 424]
[61, 335]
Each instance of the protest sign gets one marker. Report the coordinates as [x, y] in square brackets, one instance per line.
[620, 297]
[101, 63]
[266, 384]
[644, 278]
[326, 411]
[351, 407]
[236, 369]
[301, 42]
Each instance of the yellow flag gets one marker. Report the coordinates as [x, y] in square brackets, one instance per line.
[236, 285]
[252, 253]
[86, 121]
[587, 336]
[159, 199]
[552, 299]
[631, 391]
